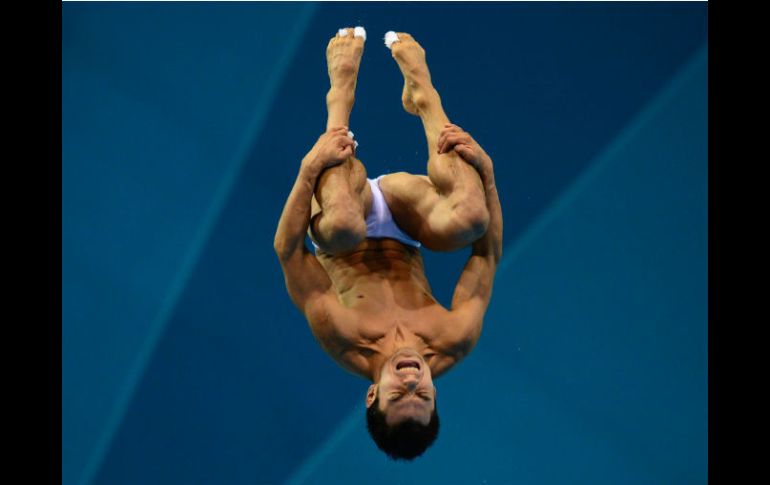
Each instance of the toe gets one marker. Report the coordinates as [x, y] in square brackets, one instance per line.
[390, 38]
[360, 33]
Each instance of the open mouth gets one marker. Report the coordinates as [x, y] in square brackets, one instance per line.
[405, 364]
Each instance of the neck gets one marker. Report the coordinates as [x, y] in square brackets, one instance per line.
[395, 340]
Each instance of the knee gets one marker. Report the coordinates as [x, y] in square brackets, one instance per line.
[471, 220]
[341, 231]
[464, 224]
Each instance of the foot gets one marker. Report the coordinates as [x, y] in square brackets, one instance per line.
[410, 57]
[343, 58]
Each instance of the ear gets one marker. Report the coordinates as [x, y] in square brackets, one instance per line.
[371, 394]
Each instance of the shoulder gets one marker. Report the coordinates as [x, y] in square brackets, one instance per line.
[331, 322]
[453, 336]
[320, 315]
[334, 328]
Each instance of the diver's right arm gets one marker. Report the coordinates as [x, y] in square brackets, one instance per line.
[306, 280]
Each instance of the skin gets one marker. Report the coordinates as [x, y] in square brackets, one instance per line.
[405, 392]
[367, 301]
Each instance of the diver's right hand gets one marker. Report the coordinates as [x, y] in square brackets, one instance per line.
[452, 137]
[332, 148]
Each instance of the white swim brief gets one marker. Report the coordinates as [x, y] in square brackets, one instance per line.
[379, 222]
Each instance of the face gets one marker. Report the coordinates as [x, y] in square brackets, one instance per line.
[405, 388]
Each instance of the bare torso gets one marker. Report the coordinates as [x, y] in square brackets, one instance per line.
[389, 304]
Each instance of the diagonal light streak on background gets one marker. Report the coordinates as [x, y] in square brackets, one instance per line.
[210, 218]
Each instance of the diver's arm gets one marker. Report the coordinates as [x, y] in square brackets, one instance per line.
[306, 280]
[474, 287]
[475, 284]
[490, 245]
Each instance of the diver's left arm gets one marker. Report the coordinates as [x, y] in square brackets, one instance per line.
[474, 287]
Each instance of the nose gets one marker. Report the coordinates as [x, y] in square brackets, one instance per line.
[411, 384]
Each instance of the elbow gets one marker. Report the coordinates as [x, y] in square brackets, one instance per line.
[472, 220]
[281, 248]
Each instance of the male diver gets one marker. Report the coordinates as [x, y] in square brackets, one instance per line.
[364, 292]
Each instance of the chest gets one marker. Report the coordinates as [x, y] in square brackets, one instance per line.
[362, 341]
[373, 341]
[431, 330]
[395, 329]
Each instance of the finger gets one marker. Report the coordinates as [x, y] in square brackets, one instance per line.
[337, 128]
[344, 140]
[465, 152]
[451, 128]
[453, 139]
[346, 152]
[462, 149]
[446, 132]
[442, 140]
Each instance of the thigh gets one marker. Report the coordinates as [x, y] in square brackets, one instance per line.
[412, 199]
[341, 201]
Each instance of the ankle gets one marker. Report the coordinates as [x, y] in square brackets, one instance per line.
[427, 101]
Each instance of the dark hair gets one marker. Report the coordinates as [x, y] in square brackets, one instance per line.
[404, 441]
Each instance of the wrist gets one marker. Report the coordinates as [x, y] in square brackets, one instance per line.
[310, 167]
[487, 173]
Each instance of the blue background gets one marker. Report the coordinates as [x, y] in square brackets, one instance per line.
[183, 124]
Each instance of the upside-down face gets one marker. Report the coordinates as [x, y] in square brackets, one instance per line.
[405, 388]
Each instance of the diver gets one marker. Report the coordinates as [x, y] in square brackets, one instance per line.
[363, 290]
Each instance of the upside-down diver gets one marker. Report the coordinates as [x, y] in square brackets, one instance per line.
[363, 291]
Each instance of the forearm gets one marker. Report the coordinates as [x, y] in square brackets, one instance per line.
[491, 243]
[295, 218]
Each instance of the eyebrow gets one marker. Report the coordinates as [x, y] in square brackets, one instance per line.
[421, 404]
[401, 395]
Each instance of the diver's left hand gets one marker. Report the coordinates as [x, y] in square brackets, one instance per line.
[453, 137]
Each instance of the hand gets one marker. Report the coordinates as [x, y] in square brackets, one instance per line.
[332, 148]
[454, 137]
